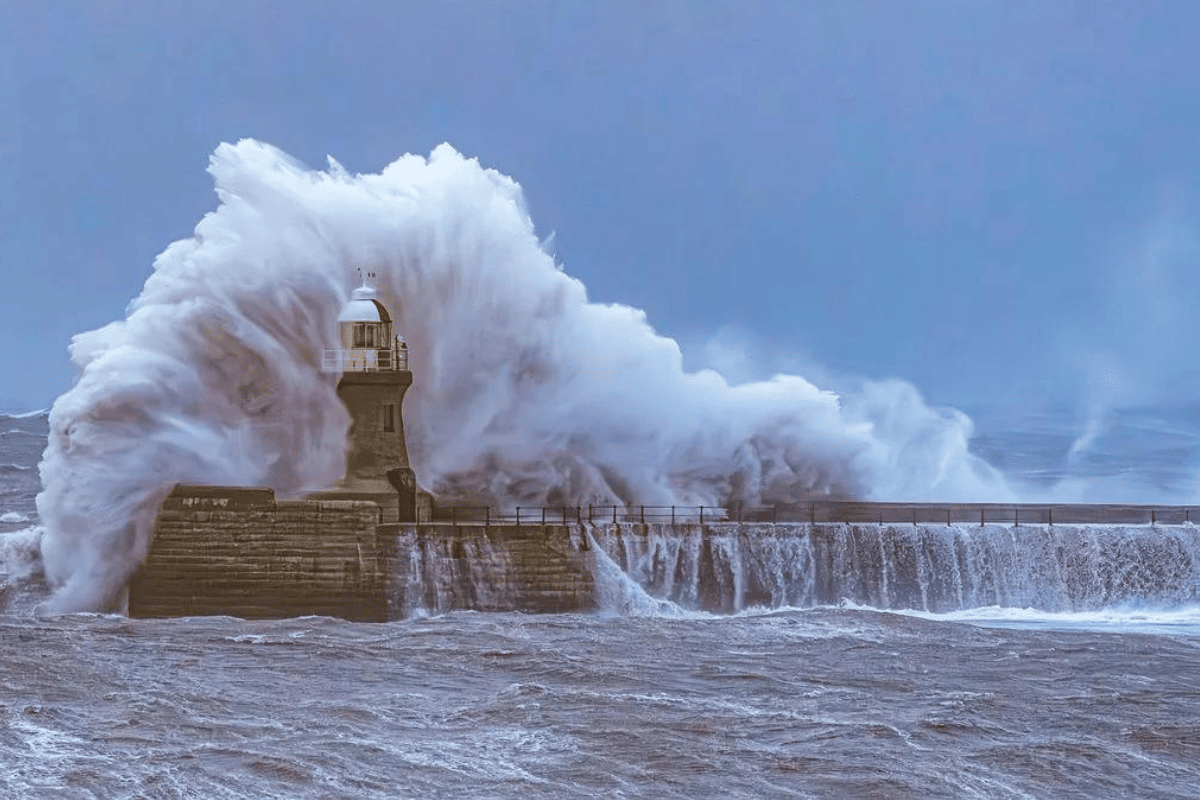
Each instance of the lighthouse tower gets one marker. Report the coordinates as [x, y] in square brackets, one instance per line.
[373, 363]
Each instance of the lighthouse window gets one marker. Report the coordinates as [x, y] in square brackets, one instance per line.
[389, 417]
[364, 334]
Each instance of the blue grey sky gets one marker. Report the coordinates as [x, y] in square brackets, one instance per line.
[993, 200]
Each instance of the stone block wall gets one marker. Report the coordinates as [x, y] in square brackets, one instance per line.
[441, 567]
[241, 552]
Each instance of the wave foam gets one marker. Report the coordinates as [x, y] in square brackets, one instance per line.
[525, 393]
[41, 412]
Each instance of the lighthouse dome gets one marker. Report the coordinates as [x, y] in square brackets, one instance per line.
[364, 306]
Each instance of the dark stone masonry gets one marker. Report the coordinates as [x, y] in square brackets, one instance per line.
[240, 552]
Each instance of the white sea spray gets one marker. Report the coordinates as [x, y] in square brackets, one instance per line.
[524, 393]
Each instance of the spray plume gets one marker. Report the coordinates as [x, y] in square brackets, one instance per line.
[524, 392]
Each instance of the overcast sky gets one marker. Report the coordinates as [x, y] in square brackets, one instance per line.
[996, 201]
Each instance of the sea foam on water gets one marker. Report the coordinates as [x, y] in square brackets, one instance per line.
[524, 392]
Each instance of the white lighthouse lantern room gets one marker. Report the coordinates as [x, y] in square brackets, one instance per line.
[368, 342]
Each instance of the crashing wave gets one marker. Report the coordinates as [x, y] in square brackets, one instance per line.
[525, 392]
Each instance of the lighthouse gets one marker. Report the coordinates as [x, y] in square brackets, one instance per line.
[374, 375]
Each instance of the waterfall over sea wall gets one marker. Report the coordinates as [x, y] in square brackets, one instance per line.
[538, 568]
[728, 567]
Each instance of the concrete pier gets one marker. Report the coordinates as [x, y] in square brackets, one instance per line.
[441, 567]
[241, 552]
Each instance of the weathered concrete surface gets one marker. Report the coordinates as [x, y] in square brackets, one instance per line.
[237, 551]
[531, 568]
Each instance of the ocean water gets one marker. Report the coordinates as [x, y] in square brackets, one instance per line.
[1005, 679]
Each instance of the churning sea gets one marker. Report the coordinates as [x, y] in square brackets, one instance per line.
[1013, 690]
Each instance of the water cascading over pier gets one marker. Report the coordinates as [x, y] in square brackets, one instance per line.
[729, 567]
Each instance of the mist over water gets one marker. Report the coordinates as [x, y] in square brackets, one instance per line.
[524, 393]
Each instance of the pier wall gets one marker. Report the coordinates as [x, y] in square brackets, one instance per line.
[441, 567]
[241, 552]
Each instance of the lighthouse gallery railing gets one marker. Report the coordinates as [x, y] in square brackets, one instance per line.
[365, 359]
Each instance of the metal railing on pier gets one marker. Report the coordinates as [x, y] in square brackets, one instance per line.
[856, 512]
[833, 511]
[561, 515]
